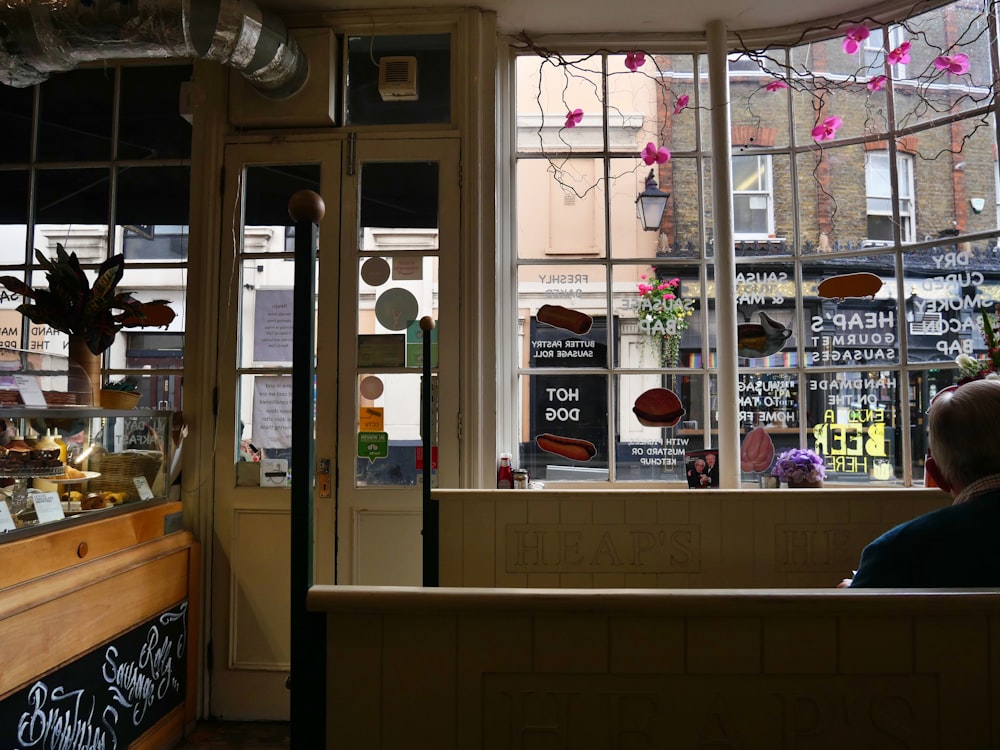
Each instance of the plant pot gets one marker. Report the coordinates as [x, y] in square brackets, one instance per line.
[797, 485]
[89, 362]
[119, 399]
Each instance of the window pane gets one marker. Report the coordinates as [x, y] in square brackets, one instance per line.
[153, 195]
[150, 124]
[75, 116]
[16, 110]
[649, 453]
[853, 421]
[856, 331]
[566, 427]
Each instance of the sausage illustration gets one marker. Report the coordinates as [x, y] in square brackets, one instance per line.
[849, 285]
[573, 321]
[658, 407]
[567, 447]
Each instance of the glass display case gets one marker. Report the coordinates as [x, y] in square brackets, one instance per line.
[72, 457]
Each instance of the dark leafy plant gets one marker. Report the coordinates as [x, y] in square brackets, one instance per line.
[125, 385]
[72, 306]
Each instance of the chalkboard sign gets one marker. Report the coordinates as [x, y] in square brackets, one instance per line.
[109, 697]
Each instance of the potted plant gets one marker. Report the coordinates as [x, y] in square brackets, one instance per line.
[91, 315]
[800, 468]
[663, 316]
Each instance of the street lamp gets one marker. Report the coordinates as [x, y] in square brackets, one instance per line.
[650, 204]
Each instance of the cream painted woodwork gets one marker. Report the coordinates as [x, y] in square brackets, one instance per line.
[464, 668]
[387, 519]
[665, 538]
[250, 601]
[68, 591]
[361, 534]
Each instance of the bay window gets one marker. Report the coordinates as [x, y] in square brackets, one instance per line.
[852, 298]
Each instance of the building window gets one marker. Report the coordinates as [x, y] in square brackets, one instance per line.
[753, 200]
[878, 187]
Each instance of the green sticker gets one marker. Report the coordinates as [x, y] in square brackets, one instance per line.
[373, 445]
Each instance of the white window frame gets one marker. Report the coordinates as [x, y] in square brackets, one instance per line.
[879, 188]
[763, 189]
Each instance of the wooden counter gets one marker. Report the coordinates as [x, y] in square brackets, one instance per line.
[99, 626]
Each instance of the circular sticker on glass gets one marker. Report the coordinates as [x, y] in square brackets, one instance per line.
[371, 387]
[375, 271]
[396, 309]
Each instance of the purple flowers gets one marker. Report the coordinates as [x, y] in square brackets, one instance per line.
[877, 83]
[953, 64]
[799, 465]
[573, 118]
[635, 60]
[653, 155]
[827, 130]
[900, 55]
[853, 38]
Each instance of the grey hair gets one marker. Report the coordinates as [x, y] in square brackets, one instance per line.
[963, 428]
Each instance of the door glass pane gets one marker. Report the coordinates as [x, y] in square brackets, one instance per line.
[266, 258]
[397, 286]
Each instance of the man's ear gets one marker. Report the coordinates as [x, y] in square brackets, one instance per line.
[933, 476]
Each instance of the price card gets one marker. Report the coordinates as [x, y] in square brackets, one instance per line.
[47, 507]
[6, 520]
[31, 394]
[145, 493]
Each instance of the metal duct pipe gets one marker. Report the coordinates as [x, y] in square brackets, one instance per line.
[53, 36]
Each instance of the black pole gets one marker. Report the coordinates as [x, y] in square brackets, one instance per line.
[430, 508]
[307, 681]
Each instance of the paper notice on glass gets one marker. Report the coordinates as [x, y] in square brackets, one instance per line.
[272, 412]
[272, 325]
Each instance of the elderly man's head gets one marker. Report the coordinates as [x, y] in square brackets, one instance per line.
[963, 427]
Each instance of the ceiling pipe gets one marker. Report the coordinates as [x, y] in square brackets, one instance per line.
[38, 39]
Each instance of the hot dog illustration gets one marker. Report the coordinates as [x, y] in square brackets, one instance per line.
[658, 407]
[761, 339]
[849, 285]
[567, 447]
[573, 321]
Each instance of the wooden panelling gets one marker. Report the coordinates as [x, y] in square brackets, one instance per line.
[28, 557]
[75, 587]
[590, 670]
[665, 538]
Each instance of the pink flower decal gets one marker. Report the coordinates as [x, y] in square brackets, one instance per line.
[876, 84]
[853, 38]
[826, 130]
[573, 118]
[776, 85]
[653, 155]
[682, 102]
[954, 64]
[634, 61]
[900, 55]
